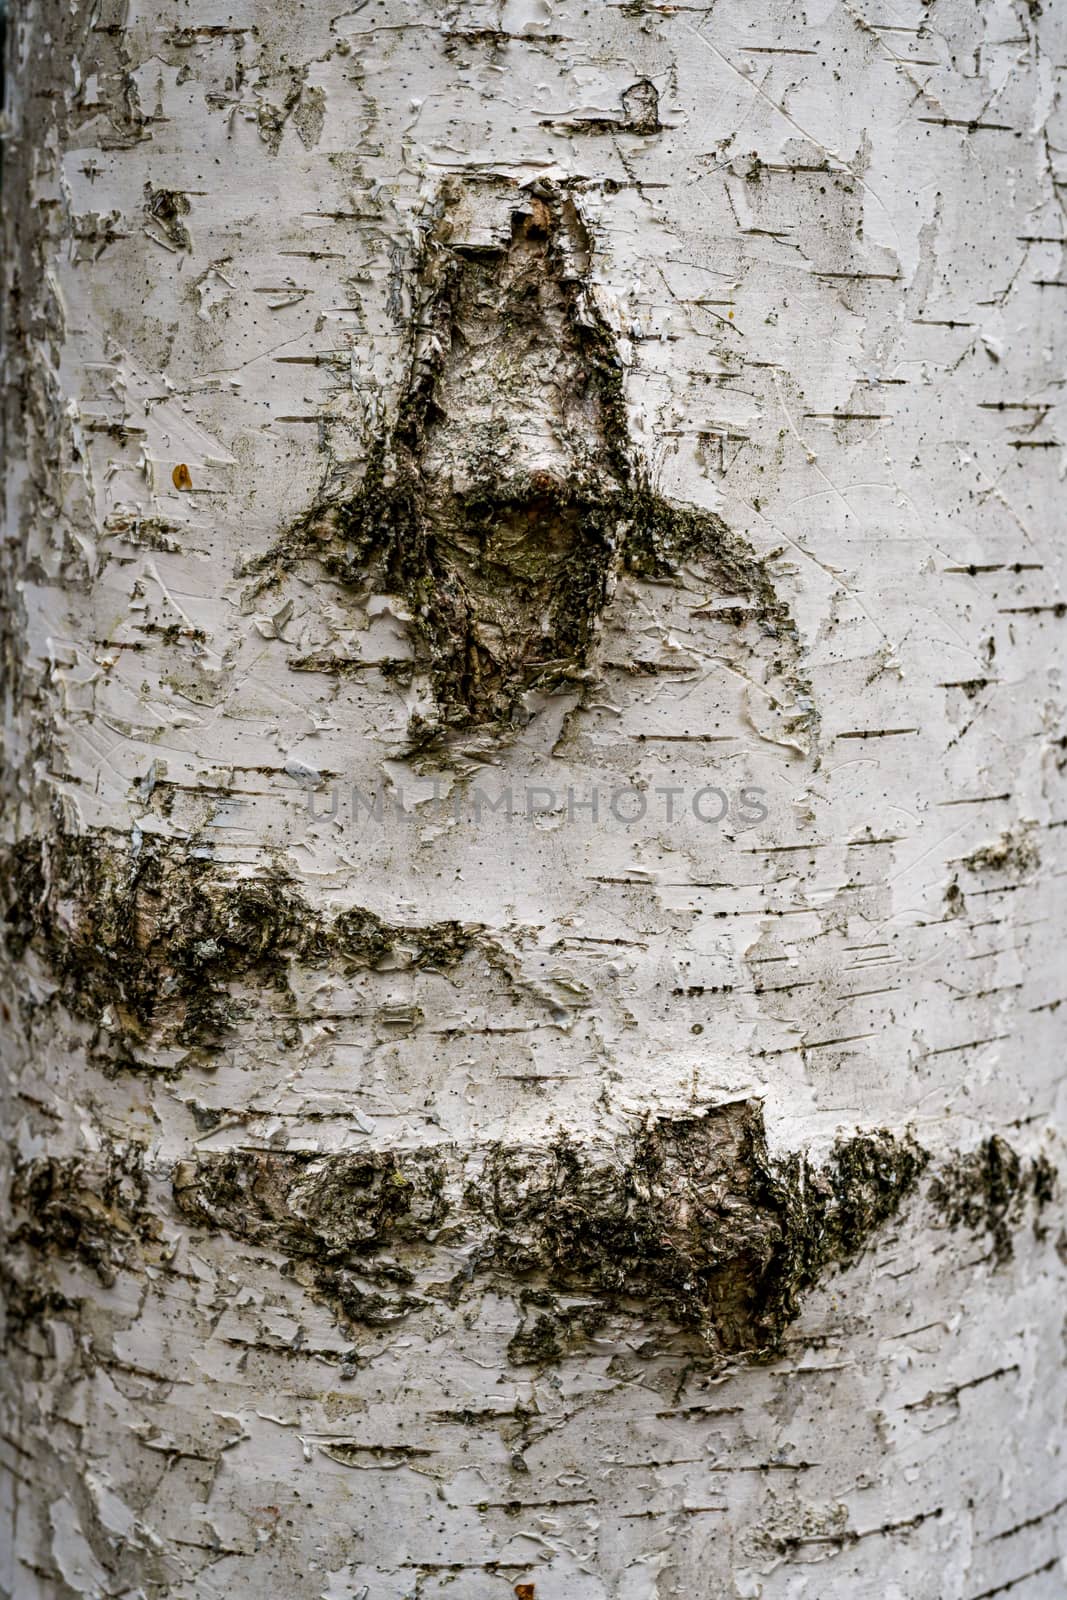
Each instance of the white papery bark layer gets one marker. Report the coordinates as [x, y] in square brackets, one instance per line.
[828, 249]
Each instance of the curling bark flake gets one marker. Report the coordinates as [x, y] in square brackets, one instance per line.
[533, 801]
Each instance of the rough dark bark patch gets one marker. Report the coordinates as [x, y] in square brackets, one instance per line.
[1015, 853]
[143, 941]
[507, 495]
[987, 1190]
[93, 1207]
[693, 1224]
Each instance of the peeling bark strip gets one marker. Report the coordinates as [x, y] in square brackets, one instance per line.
[507, 496]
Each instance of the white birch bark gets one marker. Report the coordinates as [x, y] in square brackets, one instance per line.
[389, 1213]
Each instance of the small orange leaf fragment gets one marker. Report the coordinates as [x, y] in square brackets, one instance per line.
[181, 477]
[524, 1591]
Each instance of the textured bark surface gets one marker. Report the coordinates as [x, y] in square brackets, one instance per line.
[533, 777]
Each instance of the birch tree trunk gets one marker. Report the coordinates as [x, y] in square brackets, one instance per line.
[533, 801]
